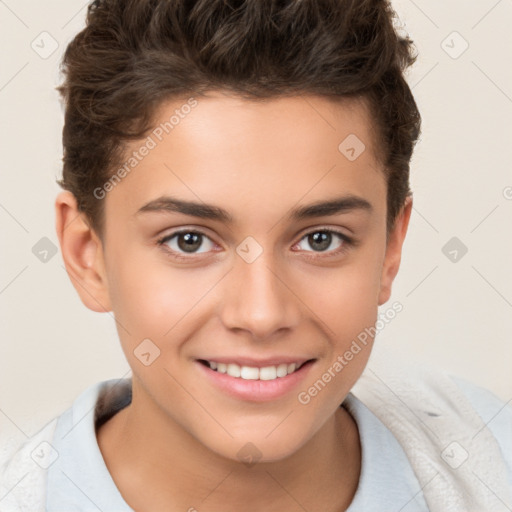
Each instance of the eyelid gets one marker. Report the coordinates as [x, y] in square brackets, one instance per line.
[348, 241]
[161, 241]
[315, 229]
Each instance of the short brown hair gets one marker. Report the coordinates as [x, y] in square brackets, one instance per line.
[134, 54]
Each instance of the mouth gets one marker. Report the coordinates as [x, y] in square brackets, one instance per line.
[246, 372]
[255, 381]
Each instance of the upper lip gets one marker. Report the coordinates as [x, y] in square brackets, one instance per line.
[257, 363]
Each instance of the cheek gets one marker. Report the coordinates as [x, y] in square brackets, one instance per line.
[156, 302]
[152, 300]
[149, 295]
[347, 296]
[346, 301]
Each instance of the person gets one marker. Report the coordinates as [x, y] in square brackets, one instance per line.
[236, 192]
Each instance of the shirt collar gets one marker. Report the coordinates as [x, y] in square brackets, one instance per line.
[79, 476]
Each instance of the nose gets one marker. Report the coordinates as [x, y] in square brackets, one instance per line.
[258, 298]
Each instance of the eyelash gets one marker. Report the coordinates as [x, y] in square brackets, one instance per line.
[348, 242]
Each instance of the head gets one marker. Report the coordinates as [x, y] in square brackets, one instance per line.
[257, 112]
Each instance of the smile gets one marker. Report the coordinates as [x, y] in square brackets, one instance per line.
[261, 383]
[252, 372]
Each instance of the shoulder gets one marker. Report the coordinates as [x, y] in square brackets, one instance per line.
[496, 416]
[425, 394]
[451, 430]
[24, 469]
[23, 473]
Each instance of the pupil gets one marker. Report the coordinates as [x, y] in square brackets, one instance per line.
[322, 238]
[191, 241]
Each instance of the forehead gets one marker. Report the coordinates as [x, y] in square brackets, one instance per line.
[224, 121]
[253, 154]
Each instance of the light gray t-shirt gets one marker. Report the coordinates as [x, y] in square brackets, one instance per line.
[78, 479]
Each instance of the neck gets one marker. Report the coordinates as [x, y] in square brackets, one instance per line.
[158, 465]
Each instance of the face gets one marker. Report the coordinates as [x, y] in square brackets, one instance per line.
[280, 263]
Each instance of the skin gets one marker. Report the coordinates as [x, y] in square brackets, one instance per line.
[175, 447]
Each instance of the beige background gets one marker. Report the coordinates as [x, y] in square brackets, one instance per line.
[456, 314]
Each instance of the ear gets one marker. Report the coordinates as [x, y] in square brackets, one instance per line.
[394, 251]
[82, 252]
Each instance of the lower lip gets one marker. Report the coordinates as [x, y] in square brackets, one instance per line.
[256, 390]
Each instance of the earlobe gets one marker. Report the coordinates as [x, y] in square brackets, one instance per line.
[82, 253]
[394, 252]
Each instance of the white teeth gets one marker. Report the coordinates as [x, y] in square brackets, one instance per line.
[252, 373]
[233, 370]
[248, 373]
[282, 370]
[268, 373]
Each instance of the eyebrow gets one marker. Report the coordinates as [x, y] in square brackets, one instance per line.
[343, 204]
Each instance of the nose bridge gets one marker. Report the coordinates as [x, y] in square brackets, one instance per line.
[258, 300]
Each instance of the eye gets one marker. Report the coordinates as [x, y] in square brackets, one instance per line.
[187, 242]
[322, 240]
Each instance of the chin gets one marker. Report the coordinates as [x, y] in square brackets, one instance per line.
[254, 447]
